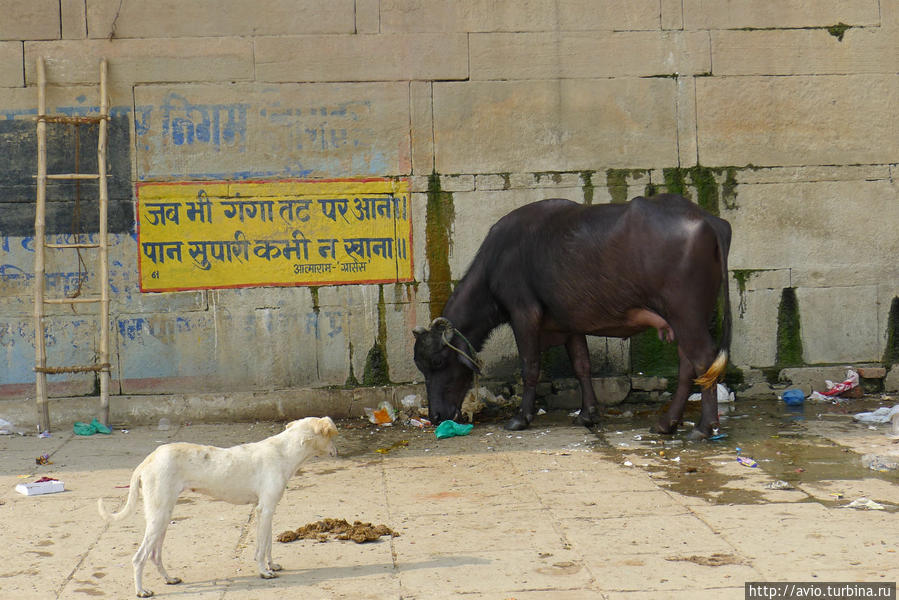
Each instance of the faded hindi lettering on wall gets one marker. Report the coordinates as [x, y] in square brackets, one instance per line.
[199, 235]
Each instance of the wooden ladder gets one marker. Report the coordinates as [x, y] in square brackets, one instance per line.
[102, 365]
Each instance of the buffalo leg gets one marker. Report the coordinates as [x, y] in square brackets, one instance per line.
[700, 350]
[669, 421]
[576, 345]
[527, 337]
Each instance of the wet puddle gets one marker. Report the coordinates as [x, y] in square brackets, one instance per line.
[767, 450]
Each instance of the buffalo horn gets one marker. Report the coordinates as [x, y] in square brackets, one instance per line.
[441, 323]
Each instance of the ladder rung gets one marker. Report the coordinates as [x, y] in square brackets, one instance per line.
[73, 176]
[77, 300]
[74, 369]
[71, 245]
[71, 119]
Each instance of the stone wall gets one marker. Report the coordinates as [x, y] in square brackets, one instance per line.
[781, 116]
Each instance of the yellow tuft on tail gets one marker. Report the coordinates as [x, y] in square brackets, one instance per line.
[714, 372]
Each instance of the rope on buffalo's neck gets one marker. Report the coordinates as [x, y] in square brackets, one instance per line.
[471, 355]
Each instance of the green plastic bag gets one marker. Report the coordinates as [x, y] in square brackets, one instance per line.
[451, 429]
[95, 426]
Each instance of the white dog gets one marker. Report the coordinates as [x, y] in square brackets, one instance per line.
[254, 473]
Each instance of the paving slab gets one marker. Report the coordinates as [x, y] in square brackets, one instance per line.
[557, 511]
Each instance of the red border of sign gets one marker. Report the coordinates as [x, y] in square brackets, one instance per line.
[140, 280]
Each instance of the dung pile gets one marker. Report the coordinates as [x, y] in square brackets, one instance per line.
[337, 529]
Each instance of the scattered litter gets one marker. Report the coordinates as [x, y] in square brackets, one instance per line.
[44, 485]
[865, 504]
[574, 413]
[43, 459]
[412, 405]
[881, 415]
[819, 397]
[725, 396]
[44, 434]
[337, 529]
[780, 484]
[638, 437]
[835, 389]
[747, 462]
[541, 411]
[420, 423]
[383, 415]
[6, 428]
[882, 464]
[393, 446]
[451, 429]
[628, 463]
[793, 397]
[717, 437]
[95, 426]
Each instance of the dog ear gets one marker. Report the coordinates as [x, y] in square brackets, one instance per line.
[325, 427]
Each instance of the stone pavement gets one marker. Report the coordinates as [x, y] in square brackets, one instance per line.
[555, 512]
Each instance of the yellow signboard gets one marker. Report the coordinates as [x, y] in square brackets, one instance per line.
[196, 235]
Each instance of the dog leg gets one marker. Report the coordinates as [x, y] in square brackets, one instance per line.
[264, 513]
[155, 529]
[156, 557]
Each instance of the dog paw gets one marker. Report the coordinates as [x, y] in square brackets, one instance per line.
[173, 580]
[144, 594]
[267, 574]
[274, 566]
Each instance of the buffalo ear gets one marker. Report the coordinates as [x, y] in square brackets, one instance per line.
[418, 331]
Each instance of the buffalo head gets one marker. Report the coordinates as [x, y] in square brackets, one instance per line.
[448, 362]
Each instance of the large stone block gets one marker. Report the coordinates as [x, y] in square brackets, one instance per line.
[74, 19]
[246, 131]
[11, 64]
[815, 227]
[797, 120]
[421, 101]
[383, 57]
[803, 52]
[839, 324]
[142, 61]
[211, 18]
[29, 19]
[891, 381]
[754, 340]
[510, 15]
[546, 55]
[760, 14]
[567, 125]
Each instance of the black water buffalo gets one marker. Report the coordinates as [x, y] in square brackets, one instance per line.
[557, 271]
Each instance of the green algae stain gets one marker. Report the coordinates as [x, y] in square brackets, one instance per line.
[616, 182]
[789, 338]
[838, 30]
[587, 186]
[891, 354]
[377, 371]
[438, 240]
[651, 356]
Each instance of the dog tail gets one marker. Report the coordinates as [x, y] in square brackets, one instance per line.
[131, 504]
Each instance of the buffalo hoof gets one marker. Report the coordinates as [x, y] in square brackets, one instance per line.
[589, 418]
[697, 435]
[517, 423]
